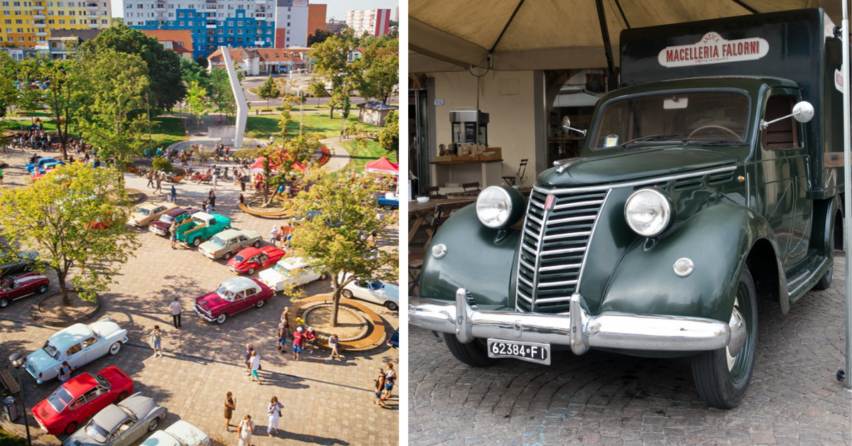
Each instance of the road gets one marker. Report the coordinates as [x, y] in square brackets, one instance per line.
[299, 80]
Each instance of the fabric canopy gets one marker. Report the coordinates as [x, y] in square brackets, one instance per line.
[544, 35]
[382, 165]
[257, 167]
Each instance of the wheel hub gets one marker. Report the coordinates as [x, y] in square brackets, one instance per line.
[738, 335]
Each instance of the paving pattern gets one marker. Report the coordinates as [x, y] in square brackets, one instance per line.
[326, 402]
[603, 398]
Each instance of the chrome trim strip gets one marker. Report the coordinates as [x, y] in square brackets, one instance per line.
[536, 203]
[521, 255]
[554, 299]
[527, 248]
[520, 277]
[559, 267]
[634, 183]
[524, 297]
[562, 251]
[591, 237]
[550, 284]
[568, 235]
[530, 267]
[534, 219]
[577, 204]
[530, 233]
[568, 220]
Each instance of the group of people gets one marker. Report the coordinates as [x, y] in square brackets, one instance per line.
[245, 429]
[282, 234]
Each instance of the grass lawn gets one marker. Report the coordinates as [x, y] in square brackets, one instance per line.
[7, 439]
[261, 127]
[164, 131]
[360, 157]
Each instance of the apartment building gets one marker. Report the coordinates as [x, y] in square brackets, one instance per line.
[374, 22]
[29, 24]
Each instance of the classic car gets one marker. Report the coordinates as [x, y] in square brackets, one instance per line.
[161, 225]
[701, 190]
[80, 398]
[389, 201]
[232, 296]
[49, 166]
[229, 242]
[374, 291]
[17, 287]
[23, 261]
[36, 166]
[252, 259]
[78, 344]
[120, 424]
[393, 341]
[148, 212]
[293, 270]
[201, 227]
[180, 433]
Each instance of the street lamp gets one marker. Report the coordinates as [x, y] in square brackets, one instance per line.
[17, 360]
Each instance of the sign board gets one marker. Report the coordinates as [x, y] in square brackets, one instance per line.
[439, 102]
[712, 49]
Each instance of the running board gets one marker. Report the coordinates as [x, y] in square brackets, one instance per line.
[803, 282]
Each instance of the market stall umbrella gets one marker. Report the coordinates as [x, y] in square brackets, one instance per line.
[257, 167]
[382, 165]
[544, 35]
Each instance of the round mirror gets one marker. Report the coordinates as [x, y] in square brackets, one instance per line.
[803, 111]
[566, 123]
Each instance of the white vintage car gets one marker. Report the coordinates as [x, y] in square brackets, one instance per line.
[179, 434]
[78, 344]
[374, 291]
[288, 271]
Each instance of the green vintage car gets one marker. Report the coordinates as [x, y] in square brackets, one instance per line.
[229, 242]
[694, 200]
[201, 227]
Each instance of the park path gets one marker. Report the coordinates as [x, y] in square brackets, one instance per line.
[339, 158]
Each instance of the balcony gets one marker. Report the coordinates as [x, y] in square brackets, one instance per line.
[38, 7]
[92, 16]
[40, 25]
[39, 17]
[259, 42]
[211, 24]
[92, 6]
[260, 2]
[93, 25]
[41, 42]
[41, 34]
[210, 7]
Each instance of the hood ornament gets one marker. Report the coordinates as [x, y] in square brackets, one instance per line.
[561, 165]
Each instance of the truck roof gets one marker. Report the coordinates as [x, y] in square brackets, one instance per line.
[751, 84]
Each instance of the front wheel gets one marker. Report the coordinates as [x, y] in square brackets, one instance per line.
[222, 318]
[260, 303]
[42, 288]
[71, 427]
[4, 302]
[392, 306]
[196, 242]
[121, 397]
[227, 255]
[250, 271]
[825, 281]
[153, 426]
[347, 294]
[256, 244]
[474, 354]
[115, 348]
[720, 378]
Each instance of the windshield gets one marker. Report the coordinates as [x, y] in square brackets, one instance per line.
[281, 269]
[225, 293]
[101, 380]
[165, 218]
[143, 211]
[715, 117]
[51, 350]
[218, 242]
[98, 433]
[60, 399]
[239, 258]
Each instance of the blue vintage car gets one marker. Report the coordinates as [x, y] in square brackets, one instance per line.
[42, 165]
[389, 201]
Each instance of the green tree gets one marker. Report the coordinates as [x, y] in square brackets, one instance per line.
[319, 36]
[64, 95]
[163, 65]
[57, 216]
[285, 120]
[316, 88]
[193, 72]
[8, 92]
[30, 98]
[161, 164]
[331, 64]
[377, 70]
[201, 60]
[221, 94]
[389, 134]
[341, 242]
[196, 97]
[269, 90]
[114, 116]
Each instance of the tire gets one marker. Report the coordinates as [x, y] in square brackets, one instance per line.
[323, 276]
[121, 397]
[260, 303]
[825, 281]
[4, 302]
[221, 318]
[251, 271]
[473, 354]
[392, 306]
[42, 288]
[196, 242]
[227, 255]
[388, 208]
[347, 294]
[71, 427]
[722, 383]
[153, 426]
[256, 244]
[115, 348]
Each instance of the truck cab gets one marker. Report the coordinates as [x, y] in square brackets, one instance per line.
[201, 227]
[708, 184]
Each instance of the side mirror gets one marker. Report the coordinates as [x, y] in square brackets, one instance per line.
[566, 124]
[802, 112]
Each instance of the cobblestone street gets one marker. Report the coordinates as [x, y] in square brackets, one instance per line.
[325, 402]
[603, 398]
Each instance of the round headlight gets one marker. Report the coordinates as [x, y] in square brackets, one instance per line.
[493, 207]
[648, 212]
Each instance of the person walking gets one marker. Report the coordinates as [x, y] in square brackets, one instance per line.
[230, 405]
[208, 207]
[298, 340]
[249, 351]
[244, 430]
[255, 366]
[150, 177]
[211, 198]
[283, 334]
[157, 341]
[173, 193]
[334, 343]
[273, 414]
[159, 181]
[390, 380]
[175, 308]
[65, 371]
[273, 236]
[380, 387]
[215, 179]
[173, 233]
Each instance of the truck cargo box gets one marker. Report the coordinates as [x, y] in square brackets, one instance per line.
[797, 45]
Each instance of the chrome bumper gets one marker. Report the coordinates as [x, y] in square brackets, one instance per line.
[203, 315]
[577, 329]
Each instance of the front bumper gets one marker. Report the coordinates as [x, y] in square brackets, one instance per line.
[203, 315]
[577, 329]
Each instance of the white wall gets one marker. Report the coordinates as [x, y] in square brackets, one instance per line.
[508, 98]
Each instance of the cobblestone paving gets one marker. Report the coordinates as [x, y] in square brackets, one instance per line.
[602, 398]
[326, 402]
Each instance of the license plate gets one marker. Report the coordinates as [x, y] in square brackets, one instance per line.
[525, 351]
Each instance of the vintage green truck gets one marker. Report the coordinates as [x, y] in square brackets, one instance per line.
[201, 227]
[708, 184]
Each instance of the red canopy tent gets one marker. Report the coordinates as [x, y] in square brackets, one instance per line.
[383, 165]
[257, 167]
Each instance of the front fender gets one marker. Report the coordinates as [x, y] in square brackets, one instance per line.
[474, 260]
[717, 240]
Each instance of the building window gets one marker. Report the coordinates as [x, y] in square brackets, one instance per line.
[180, 14]
[239, 23]
[180, 23]
[62, 22]
[191, 14]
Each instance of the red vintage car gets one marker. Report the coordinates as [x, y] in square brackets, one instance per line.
[250, 260]
[17, 287]
[161, 225]
[232, 296]
[81, 398]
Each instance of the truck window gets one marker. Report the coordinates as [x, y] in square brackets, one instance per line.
[782, 134]
[674, 117]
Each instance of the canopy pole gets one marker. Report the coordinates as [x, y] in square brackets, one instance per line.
[847, 199]
[612, 81]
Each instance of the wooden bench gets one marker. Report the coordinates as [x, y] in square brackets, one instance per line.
[373, 340]
[266, 214]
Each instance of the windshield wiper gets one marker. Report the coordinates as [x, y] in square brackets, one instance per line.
[715, 142]
[649, 138]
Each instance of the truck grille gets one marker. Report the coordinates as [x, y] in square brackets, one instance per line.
[553, 247]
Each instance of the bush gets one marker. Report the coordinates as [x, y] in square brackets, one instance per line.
[162, 164]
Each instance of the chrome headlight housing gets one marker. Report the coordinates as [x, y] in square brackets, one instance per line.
[499, 206]
[649, 212]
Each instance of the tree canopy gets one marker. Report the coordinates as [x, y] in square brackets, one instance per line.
[389, 134]
[377, 70]
[269, 90]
